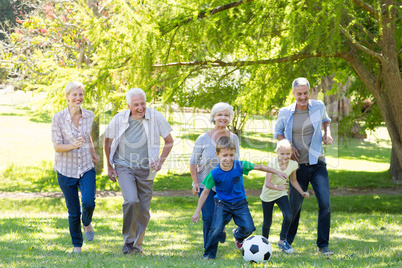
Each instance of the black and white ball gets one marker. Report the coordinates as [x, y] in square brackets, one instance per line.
[256, 249]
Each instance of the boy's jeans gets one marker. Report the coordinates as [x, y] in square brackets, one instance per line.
[317, 175]
[224, 211]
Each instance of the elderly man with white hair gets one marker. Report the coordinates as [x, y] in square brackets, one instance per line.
[132, 144]
[204, 159]
[305, 124]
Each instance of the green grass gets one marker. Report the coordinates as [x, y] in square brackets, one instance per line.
[365, 233]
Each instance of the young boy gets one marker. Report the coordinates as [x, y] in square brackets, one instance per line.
[230, 198]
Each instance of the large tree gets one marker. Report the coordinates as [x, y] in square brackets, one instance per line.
[250, 34]
[164, 45]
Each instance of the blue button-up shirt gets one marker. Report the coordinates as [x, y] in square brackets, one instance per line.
[317, 114]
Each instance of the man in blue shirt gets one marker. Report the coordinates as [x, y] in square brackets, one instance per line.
[302, 123]
[230, 198]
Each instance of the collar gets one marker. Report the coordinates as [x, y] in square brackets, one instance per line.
[68, 116]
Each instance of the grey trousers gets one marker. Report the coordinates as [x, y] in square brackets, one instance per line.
[137, 194]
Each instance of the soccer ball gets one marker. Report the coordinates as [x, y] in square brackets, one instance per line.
[256, 249]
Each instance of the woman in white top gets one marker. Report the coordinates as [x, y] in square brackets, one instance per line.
[204, 159]
[75, 159]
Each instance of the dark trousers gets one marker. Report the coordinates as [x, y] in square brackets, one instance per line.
[267, 208]
[317, 175]
[224, 212]
[70, 186]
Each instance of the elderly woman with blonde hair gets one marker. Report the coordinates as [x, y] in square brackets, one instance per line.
[204, 159]
[75, 161]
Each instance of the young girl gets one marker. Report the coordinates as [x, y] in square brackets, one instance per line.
[275, 191]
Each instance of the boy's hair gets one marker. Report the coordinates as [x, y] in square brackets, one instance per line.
[283, 144]
[225, 142]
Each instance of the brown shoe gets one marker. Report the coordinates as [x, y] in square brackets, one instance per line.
[128, 248]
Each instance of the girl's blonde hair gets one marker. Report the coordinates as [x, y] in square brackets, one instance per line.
[283, 144]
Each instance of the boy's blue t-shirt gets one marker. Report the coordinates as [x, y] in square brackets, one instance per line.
[229, 184]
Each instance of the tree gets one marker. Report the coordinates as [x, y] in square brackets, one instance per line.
[361, 33]
[159, 45]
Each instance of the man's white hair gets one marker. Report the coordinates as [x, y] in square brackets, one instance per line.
[299, 82]
[72, 86]
[135, 92]
[219, 107]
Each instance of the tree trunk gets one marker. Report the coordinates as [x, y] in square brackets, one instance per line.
[98, 144]
[395, 168]
[387, 86]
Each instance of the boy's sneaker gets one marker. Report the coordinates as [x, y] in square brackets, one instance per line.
[239, 245]
[326, 251]
[286, 247]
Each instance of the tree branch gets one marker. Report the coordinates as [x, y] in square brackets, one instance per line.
[219, 63]
[367, 7]
[358, 45]
[203, 14]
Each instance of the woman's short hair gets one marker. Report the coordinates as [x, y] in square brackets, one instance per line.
[225, 142]
[219, 107]
[299, 82]
[283, 144]
[135, 92]
[72, 86]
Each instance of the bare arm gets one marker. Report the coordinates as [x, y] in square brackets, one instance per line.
[201, 201]
[296, 185]
[95, 157]
[270, 185]
[157, 165]
[271, 170]
[62, 148]
[194, 176]
[110, 170]
[326, 137]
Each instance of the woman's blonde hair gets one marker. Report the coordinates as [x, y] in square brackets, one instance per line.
[72, 86]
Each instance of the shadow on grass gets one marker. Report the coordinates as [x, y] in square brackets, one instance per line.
[36, 117]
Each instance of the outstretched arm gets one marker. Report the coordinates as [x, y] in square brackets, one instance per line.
[271, 170]
[201, 201]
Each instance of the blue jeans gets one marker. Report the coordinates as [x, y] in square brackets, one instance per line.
[207, 214]
[224, 212]
[267, 208]
[317, 175]
[87, 186]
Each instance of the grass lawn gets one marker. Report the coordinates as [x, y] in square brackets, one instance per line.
[366, 232]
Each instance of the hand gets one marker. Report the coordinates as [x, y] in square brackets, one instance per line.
[295, 155]
[195, 217]
[283, 187]
[95, 158]
[112, 174]
[306, 195]
[157, 165]
[282, 175]
[78, 143]
[196, 189]
[327, 139]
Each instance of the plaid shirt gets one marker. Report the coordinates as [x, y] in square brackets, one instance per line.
[76, 162]
[155, 126]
